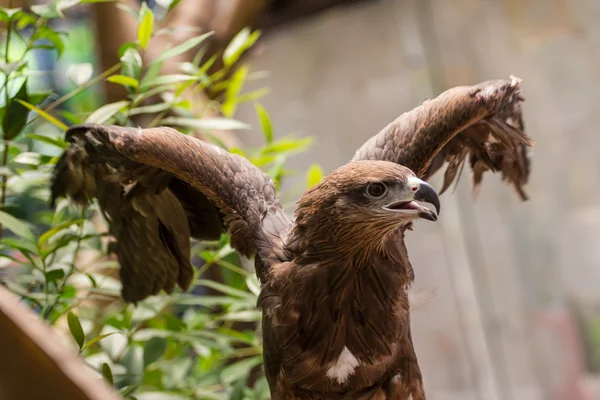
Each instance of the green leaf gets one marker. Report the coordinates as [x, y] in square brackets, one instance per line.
[238, 390]
[54, 275]
[69, 292]
[27, 158]
[236, 47]
[36, 98]
[44, 115]
[183, 47]
[65, 4]
[253, 284]
[275, 171]
[97, 339]
[154, 349]
[131, 63]
[51, 232]
[16, 114]
[239, 369]
[71, 117]
[254, 95]
[145, 26]
[265, 122]
[207, 301]
[76, 329]
[9, 68]
[48, 140]
[16, 226]
[107, 374]
[46, 33]
[233, 89]
[287, 145]
[47, 11]
[7, 14]
[247, 315]
[24, 20]
[151, 109]
[238, 151]
[79, 73]
[106, 112]
[26, 248]
[123, 80]
[225, 289]
[152, 72]
[166, 80]
[206, 123]
[173, 4]
[314, 175]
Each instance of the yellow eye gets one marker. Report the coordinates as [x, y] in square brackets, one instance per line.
[376, 189]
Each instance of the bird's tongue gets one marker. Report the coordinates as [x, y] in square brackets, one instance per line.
[424, 212]
[405, 205]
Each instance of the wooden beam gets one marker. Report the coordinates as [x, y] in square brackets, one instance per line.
[36, 364]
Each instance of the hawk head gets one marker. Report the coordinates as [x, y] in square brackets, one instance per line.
[363, 203]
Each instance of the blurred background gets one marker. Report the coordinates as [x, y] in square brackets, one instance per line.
[512, 289]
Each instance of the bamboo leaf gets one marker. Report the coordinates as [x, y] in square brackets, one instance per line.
[97, 339]
[247, 315]
[44, 115]
[314, 175]
[234, 86]
[51, 232]
[16, 226]
[240, 43]
[145, 27]
[265, 122]
[206, 123]
[105, 112]
[123, 80]
[287, 145]
[183, 47]
[239, 369]
[80, 73]
[166, 80]
[46, 139]
[225, 289]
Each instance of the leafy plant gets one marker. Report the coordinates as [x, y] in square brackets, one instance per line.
[199, 345]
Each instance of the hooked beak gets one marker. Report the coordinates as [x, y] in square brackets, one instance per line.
[427, 194]
[423, 192]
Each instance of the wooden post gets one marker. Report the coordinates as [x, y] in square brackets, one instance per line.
[36, 364]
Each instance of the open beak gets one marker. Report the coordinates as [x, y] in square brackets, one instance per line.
[422, 192]
[427, 194]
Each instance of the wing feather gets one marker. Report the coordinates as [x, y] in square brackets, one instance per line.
[482, 124]
[157, 187]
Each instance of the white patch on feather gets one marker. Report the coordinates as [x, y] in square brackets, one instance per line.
[344, 367]
[217, 149]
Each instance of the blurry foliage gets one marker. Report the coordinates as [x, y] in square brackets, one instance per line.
[185, 345]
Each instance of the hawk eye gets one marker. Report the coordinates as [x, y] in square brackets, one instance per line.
[376, 189]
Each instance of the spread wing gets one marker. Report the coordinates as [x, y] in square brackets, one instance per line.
[482, 123]
[156, 188]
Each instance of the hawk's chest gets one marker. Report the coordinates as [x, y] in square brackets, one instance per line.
[339, 326]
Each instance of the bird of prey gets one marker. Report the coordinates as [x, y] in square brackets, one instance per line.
[335, 279]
